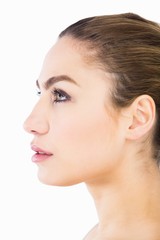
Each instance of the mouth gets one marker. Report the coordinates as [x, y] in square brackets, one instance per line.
[40, 154]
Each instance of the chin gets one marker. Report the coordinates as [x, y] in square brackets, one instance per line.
[56, 181]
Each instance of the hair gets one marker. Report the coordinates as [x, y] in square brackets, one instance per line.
[127, 45]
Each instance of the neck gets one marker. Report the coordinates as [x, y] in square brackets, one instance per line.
[130, 200]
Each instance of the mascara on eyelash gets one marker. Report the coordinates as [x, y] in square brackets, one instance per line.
[38, 91]
[62, 94]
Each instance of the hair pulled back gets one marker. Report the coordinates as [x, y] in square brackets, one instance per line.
[128, 46]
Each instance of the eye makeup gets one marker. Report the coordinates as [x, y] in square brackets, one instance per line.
[60, 96]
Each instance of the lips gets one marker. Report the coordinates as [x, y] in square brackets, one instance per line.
[40, 154]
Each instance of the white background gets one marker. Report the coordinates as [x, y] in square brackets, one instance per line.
[29, 209]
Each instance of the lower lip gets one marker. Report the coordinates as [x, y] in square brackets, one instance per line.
[40, 157]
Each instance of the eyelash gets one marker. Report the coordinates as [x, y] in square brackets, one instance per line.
[58, 93]
[38, 92]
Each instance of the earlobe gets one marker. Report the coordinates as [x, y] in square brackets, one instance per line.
[142, 112]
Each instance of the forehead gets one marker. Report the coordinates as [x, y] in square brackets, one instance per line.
[68, 57]
[70, 49]
[60, 58]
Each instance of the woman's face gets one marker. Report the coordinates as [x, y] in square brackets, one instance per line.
[76, 133]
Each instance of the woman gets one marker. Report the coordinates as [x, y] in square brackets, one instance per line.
[98, 121]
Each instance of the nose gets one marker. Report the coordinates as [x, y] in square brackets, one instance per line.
[37, 122]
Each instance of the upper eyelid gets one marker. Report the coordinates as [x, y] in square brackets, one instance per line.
[61, 91]
[41, 87]
[54, 89]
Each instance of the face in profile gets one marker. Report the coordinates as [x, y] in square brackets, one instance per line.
[76, 132]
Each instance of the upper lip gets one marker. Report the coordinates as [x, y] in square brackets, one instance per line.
[40, 150]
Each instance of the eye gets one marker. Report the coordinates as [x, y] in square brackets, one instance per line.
[60, 96]
[38, 91]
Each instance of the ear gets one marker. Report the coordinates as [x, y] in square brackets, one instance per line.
[142, 117]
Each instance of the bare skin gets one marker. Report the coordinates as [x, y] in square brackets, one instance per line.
[90, 141]
[128, 208]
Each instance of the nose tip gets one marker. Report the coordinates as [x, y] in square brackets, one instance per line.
[35, 125]
[27, 127]
[37, 122]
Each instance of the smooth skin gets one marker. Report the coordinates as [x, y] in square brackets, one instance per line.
[93, 142]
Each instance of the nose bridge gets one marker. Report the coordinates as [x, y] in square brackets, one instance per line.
[37, 121]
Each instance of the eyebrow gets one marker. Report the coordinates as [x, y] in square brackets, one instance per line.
[56, 79]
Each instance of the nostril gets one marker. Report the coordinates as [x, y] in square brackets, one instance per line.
[36, 127]
[27, 127]
[33, 131]
[36, 124]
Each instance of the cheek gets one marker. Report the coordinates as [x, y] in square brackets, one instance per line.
[84, 139]
[83, 149]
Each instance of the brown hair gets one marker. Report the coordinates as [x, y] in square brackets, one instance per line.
[128, 46]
